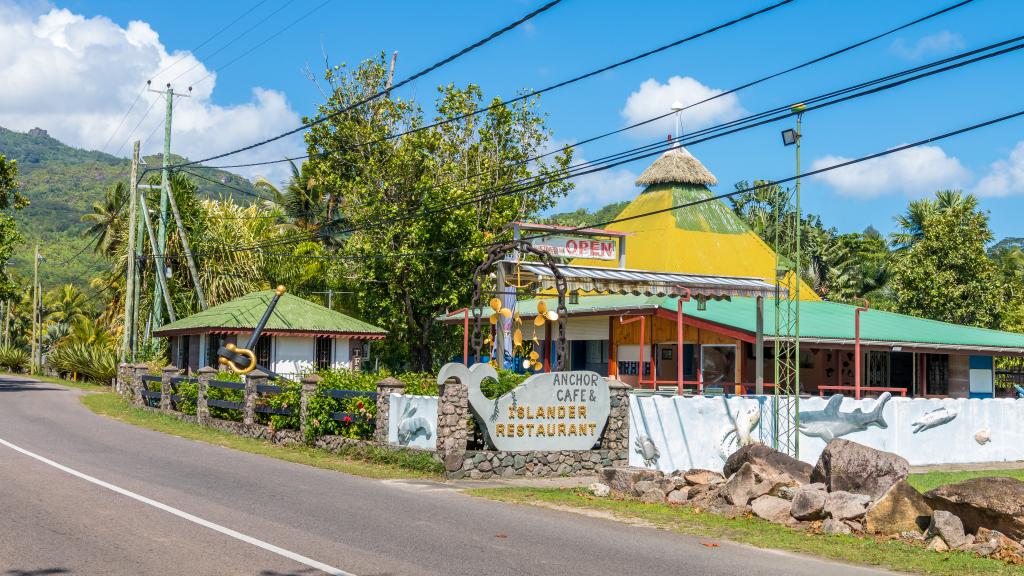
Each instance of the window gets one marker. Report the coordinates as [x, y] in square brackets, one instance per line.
[263, 351]
[213, 344]
[937, 374]
[182, 359]
[323, 353]
[718, 363]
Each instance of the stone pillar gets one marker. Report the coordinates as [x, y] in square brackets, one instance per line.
[253, 380]
[309, 386]
[138, 371]
[616, 432]
[203, 394]
[122, 382]
[166, 374]
[385, 388]
[452, 411]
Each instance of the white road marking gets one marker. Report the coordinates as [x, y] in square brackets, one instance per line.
[182, 514]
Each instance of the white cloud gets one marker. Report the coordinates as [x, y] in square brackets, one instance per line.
[915, 171]
[653, 99]
[938, 43]
[76, 77]
[1005, 177]
[597, 189]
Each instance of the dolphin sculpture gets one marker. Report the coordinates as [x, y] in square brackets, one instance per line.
[831, 423]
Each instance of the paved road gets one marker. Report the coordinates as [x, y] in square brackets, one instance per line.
[115, 499]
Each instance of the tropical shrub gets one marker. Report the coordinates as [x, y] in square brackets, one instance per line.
[13, 358]
[95, 363]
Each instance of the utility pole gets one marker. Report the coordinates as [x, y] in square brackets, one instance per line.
[165, 185]
[128, 349]
[161, 282]
[35, 306]
[193, 271]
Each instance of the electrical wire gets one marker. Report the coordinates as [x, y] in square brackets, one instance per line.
[524, 96]
[139, 123]
[123, 118]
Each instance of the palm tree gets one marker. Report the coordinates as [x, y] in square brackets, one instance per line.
[911, 223]
[106, 219]
[308, 204]
[66, 304]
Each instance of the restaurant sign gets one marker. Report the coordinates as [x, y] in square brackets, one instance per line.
[570, 247]
[548, 412]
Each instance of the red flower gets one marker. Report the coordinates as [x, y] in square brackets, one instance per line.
[359, 405]
[347, 418]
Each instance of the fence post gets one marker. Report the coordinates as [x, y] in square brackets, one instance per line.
[138, 371]
[616, 432]
[309, 385]
[122, 377]
[253, 380]
[385, 388]
[203, 394]
[452, 411]
[166, 374]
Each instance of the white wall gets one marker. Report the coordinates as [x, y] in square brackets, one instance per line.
[341, 353]
[688, 431]
[293, 354]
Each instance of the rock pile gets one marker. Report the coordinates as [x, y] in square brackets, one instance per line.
[853, 489]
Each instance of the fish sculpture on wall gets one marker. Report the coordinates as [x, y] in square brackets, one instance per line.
[983, 436]
[739, 434]
[936, 417]
[645, 447]
[831, 423]
[411, 426]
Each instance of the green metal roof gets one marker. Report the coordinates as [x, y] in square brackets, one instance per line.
[291, 315]
[818, 320]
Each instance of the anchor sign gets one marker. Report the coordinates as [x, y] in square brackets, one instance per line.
[243, 360]
[551, 411]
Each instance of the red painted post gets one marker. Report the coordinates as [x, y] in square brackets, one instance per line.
[465, 333]
[640, 372]
[856, 348]
[679, 338]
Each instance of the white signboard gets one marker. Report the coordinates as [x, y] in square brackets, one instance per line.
[570, 247]
[549, 412]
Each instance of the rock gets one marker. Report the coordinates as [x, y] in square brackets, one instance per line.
[772, 509]
[900, 509]
[852, 467]
[911, 535]
[751, 481]
[623, 479]
[949, 527]
[854, 525]
[983, 548]
[652, 496]
[669, 484]
[600, 490]
[842, 505]
[768, 459]
[809, 504]
[1003, 540]
[938, 545]
[833, 526]
[706, 496]
[697, 476]
[677, 497]
[996, 503]
[453, 461]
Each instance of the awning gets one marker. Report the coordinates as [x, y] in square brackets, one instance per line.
[647, 283]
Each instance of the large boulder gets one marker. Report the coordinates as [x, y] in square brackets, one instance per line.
[900, 509]
[842, 505]
[772, 509]
[752, 481]
[994, 503]
[852, 467]
[947, 526]
[809, 504]
[623, 479]
[769, 459]
[697, 476]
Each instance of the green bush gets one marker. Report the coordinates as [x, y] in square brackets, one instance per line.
[319, 421]
[13, 358]
[95, 363]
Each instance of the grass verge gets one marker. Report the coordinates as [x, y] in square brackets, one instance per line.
[929, 480]
[368, 461]
[879, 552]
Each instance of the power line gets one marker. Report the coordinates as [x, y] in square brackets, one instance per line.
[716, 96]
[123, 118]
[139, 123]
[229, 186]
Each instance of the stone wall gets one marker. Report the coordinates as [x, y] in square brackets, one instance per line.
[484, 464]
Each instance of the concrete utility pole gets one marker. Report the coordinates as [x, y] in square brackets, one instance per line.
[161, 282]
[35, 307]
[128, 348]
[192, 270]
[165, 187]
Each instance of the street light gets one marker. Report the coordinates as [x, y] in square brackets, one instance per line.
[789, 137]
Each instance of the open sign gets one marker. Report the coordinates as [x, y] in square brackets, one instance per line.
[569, 247]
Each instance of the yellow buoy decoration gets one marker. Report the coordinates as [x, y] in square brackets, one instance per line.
[495, 304]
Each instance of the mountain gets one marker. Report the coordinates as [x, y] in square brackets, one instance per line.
[62, 183]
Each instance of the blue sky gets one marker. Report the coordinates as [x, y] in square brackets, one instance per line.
[577, 36]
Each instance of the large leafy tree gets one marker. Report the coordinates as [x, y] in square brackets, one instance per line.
[419, 207]
[10, 199]
[945, 272]
[107, 220]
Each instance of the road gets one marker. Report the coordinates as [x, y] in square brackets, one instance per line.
[83, 494]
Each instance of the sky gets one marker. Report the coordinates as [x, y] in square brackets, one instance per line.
[76, 67]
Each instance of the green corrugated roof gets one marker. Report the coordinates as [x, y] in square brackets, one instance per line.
[292, 314]
[828, 320]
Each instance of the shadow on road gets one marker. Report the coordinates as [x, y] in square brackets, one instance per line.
[9, 386]
[301, 572]
[40, 572]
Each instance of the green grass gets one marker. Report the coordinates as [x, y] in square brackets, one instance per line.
[369, 461]
[879, 552]
[930, 480]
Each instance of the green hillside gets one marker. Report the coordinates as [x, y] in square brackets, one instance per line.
[62, 183]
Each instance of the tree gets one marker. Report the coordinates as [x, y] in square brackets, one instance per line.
[66, 304]
[107, 219]
[408, 266]
[911, 222]
[10, 199]
[945, 273]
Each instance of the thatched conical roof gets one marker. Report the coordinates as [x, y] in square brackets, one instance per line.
[677, 166]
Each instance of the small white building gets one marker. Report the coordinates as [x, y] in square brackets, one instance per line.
[300, 337]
